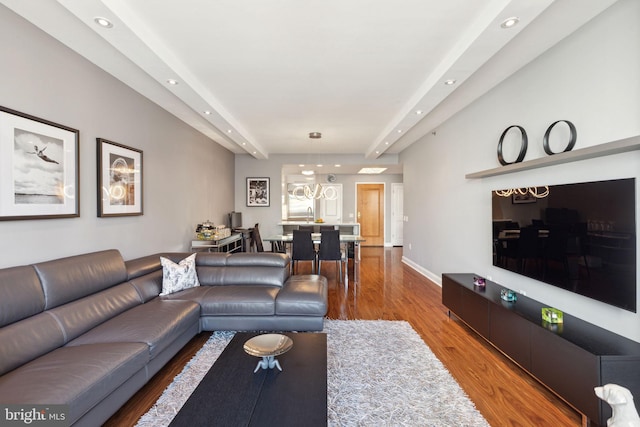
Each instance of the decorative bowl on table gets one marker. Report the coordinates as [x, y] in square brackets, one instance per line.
[268, 346]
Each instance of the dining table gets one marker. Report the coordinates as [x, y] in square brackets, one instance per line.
[349, 240]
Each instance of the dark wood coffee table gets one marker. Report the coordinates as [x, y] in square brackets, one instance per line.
[230, 394]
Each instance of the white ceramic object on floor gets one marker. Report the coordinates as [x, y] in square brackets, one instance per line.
[621, 401]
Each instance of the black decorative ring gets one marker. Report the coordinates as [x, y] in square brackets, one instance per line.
[572, 140]
[523, 146]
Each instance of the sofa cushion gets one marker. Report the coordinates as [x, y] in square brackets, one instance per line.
[246, 268]
[157, 323]
[21, 295]
[28, 339]
[242, 276]
[79, 316]
[67, 279]
[149, 285]
[180, 276]
[303, 295]
[269, 269]
[79, 376]
[144, 265]
[212, 259]
[238, 300]
[259, 259]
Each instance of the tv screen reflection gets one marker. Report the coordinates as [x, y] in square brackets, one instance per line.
[580, 237]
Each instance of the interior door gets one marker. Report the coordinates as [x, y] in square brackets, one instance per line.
[331, 206]
[370, 205]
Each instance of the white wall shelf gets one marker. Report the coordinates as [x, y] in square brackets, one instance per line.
[614, 147]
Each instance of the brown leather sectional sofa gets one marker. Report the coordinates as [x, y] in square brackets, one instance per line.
[88, 331]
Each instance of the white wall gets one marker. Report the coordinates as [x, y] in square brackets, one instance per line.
[187, 177]
[591, 79]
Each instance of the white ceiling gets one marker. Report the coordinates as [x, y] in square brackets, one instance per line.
[271, 71]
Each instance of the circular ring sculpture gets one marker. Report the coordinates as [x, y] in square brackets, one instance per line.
[523, 145]
[572, 139]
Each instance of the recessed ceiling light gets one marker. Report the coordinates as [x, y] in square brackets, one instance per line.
[307, 172]
[399, 130]
[319, 166]
[510, 22]
[450, 82]
[103, 22]
[229, 131]
[386, 143]
[377, 152]
[207, 112]
[244, 143]
[418, 112]
[172, 82]
[315, 135]
[337, 166]
[372, 170]
[301, 165]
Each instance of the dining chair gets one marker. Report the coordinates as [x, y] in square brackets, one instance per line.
[278, 247]
[256, 239]
[330, 249]
[302, 249]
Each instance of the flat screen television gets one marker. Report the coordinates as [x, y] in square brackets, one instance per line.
[580, 237]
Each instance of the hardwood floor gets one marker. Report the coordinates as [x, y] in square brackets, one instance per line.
[390, 290]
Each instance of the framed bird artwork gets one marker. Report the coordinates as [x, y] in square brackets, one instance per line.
[39, 168]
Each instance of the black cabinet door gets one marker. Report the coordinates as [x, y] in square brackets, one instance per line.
[468, 306]
[475, 312]
[567, 369]
[511, 334]
[451, 295]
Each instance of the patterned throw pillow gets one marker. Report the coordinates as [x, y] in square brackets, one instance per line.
[177, 277]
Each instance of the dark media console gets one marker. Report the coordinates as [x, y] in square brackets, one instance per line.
[570, 358]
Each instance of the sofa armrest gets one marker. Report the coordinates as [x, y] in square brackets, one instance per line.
[303, 295]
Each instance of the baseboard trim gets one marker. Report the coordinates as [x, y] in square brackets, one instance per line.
[435, 278]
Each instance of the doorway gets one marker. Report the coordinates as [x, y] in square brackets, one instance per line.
[370, 213]
[331, 205]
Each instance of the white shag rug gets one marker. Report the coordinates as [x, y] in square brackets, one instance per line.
[379, 373]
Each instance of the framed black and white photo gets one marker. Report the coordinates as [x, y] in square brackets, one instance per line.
[519, 198]
[119, 179]
[39, 168]
[257, 191]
